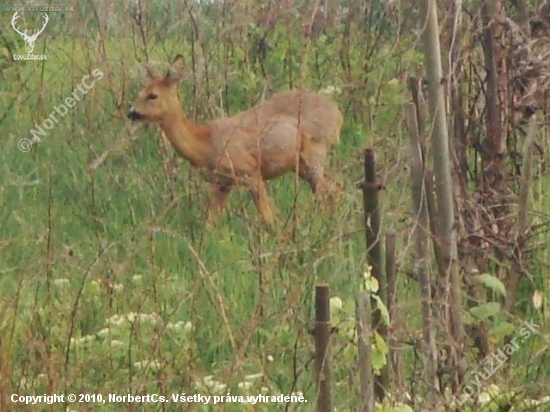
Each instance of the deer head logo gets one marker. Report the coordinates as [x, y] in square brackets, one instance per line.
[29, 40]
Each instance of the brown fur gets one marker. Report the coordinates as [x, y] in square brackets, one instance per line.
[291, 131]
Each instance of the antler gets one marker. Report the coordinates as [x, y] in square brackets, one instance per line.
[46, 20]
[36, 33]
[24, 34]
[13, 19]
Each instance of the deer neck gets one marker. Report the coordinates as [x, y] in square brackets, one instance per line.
[190, 140]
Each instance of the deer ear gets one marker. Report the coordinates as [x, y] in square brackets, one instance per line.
[175, 73]
[150, 73]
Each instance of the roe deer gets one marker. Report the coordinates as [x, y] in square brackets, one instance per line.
[291, 131]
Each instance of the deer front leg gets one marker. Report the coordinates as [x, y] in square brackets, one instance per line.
[218, 201]
[262, 201]
[331, 188]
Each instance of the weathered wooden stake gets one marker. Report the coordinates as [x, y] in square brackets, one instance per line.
[363, 313]
[322, 348]
[391, 274]
[371, 188]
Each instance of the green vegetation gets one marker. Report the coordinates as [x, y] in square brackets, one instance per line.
[110, 281]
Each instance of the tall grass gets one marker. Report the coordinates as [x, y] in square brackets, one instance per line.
[110, 280]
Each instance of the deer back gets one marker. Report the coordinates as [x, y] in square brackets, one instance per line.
[318, 117]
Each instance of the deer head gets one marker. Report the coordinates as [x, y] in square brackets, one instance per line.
[29, 40]
[159, 98]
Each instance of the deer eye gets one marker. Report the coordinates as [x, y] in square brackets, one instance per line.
[151, 96]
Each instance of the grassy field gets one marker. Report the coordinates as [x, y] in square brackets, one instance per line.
[110, 285]
[111, 282]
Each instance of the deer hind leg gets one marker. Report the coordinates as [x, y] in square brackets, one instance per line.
[311, 170]
[219, 196]
[262, 200]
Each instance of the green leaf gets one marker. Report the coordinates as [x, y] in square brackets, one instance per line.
[383, 309]
[501, 330]
[378, 361]
[379, 353]
[468, 319]
[371, 285]
[485, 310]
[492, 282]
[380, 343]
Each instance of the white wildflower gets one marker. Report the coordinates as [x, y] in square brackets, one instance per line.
[244, 385]
[61, 282]
[253, 376]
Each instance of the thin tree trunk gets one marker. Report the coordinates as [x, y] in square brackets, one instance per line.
[442, 173]
[372, 222]
[522, 223]
[394, 358]
[422, 231]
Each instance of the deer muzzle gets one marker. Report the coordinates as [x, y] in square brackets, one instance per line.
[134, 115]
